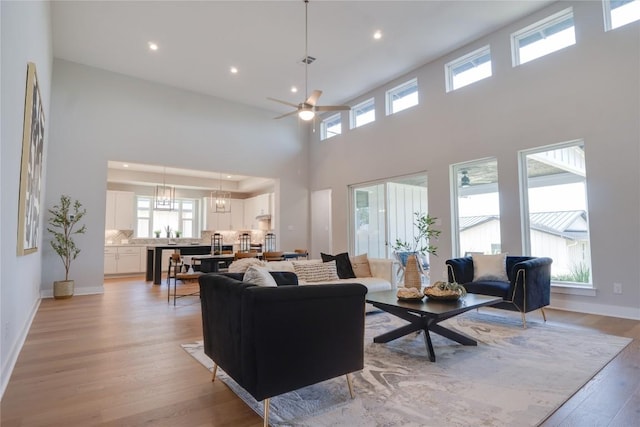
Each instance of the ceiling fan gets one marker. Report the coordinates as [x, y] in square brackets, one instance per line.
[306, 110]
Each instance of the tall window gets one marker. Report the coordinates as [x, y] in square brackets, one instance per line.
[468, 69]
[476, 203]
[620, 12]
[555, 217]
[402, 97]
[183, 218]
[548, 35]
[331, 126]
[363, 113]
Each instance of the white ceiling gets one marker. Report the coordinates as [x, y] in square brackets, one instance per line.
[200, 40]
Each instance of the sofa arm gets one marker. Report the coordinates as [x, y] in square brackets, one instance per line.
[386, 269]
[294, 336]
[460, 270]
[531, 283]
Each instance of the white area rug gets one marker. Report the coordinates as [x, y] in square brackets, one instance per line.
[514, 377]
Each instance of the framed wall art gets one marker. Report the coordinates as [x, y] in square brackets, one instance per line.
[29, 208]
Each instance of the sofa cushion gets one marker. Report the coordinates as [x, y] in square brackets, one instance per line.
[241, 265]
[343, 264]
[495, 288]
[360, 265]
[490, 267]
[259, 276]
[373, 284]
[316, 272]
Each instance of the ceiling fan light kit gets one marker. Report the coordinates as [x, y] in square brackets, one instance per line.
[307, 110]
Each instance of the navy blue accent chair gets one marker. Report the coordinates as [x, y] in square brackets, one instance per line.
[272, 340]
[528, 288]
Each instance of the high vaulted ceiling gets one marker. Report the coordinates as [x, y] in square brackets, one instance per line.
[200, 40]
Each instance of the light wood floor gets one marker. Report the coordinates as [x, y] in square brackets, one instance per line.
[115, 360]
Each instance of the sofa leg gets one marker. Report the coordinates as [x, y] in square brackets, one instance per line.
[215, 369]
[524, 320]
[350, 384]
[266, 413]
[544, 315]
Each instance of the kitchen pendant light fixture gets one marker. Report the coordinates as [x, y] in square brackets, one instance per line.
[220, 200]
[165, 195]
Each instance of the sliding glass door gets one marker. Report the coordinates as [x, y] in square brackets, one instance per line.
[384, 211]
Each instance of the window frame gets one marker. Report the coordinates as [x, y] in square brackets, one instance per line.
[324, 128]
[389, 95]
[177, 206]
[469, 57]
[525, 213]
[538, 26]
[608, 24]
[354, 112]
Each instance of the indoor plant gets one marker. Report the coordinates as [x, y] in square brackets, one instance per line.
[62, 225]
[408, 252]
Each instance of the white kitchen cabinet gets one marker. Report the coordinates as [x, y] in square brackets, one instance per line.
[123, 259]
[233, 220]
[120, 210]
[237, 214]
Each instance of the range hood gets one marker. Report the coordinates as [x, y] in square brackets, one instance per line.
[263, 218]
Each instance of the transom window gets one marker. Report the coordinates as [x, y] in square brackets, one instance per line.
[402, 97]
[548, 35]
[183, 218]
[620, 12]
[331, 126]
[363, 113]
[468, 69]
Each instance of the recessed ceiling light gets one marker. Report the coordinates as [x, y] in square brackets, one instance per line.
[377, 35]
[228, 176]
[124, 165]
[153, 46]
[294, 89]
[233, 70]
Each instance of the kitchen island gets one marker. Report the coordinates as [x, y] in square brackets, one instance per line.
[154, 258]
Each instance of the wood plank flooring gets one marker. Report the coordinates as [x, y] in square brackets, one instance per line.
[115, 360]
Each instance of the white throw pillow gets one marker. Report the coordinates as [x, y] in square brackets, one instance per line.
[259, 276]
[241, 265]
[316, 271]
[490, 267]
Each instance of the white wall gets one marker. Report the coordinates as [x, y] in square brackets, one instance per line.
[99, 116]
[26, 37]
[589, 90]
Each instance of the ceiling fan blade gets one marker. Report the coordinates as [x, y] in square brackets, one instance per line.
[283, 102]
[285, 115]
[313, 98]
[332, 108]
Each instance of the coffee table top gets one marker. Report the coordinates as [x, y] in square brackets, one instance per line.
[430, 306]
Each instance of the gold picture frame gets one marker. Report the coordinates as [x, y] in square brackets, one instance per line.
[29, 208]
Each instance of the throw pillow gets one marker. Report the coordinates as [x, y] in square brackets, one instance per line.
[316, 272]
[241, 265]
[259, 276]
[360, 266]
[490, 267]
[343, 264]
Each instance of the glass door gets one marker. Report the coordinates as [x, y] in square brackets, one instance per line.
[369, 223]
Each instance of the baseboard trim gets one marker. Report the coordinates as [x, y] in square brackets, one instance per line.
[93, 290]
[7, 369]
[632, 313]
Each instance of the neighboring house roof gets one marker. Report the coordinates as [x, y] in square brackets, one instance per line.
[568, 224]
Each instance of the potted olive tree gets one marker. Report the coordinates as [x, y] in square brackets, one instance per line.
[63, 225]
[408, 253]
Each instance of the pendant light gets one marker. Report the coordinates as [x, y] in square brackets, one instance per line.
[220, 200]
[165, 195]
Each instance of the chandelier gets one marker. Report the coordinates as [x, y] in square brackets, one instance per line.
[165, 195]
[220, 200]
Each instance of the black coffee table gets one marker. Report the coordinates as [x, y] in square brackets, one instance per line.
[425, 315]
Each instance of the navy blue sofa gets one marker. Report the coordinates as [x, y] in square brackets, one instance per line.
[528, 288]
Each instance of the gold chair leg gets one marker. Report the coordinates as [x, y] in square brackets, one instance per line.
[215, 369]
[266, 413]
[524, 320]
[544, 315]
[350, 384]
